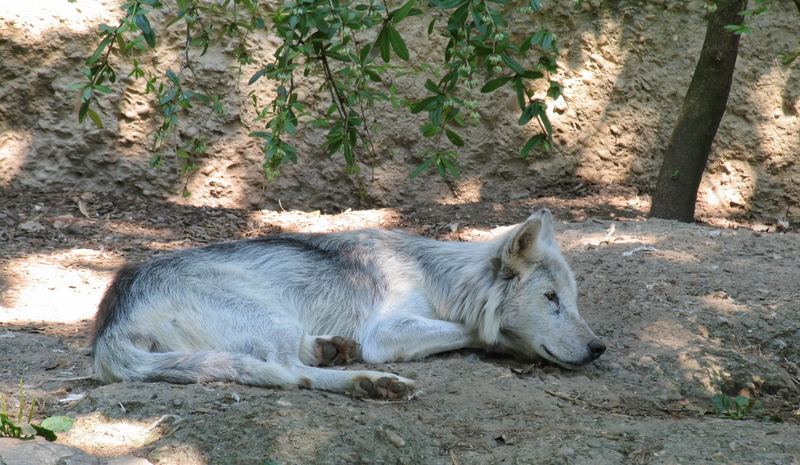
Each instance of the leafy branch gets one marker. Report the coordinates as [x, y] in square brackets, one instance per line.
[339, 41]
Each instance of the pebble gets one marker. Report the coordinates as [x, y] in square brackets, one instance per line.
[395, 438]
[31, 226]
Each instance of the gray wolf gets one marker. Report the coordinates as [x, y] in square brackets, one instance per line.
[275, 311]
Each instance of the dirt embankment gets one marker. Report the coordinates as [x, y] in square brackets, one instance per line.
[625, 67]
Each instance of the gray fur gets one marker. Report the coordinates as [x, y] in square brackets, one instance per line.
[254, 311]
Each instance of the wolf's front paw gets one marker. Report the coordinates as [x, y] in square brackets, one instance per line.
[389, 387]
[337, 350]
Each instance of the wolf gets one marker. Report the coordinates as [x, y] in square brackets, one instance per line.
[277, 311]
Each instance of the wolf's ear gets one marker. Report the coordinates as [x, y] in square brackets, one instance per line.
[525, 244]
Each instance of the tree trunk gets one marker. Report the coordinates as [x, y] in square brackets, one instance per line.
[687, 153]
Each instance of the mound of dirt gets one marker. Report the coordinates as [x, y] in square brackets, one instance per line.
[624, 69]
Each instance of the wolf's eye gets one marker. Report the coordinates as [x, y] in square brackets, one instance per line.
[551, 296]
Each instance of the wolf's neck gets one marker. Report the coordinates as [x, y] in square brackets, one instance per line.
[460, 281]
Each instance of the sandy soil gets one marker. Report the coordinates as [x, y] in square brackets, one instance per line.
[625, 67]
[698, 311]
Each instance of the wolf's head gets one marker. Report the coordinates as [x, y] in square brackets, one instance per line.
[539, 313]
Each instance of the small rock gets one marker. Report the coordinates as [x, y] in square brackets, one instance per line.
[560, 105]
[31, 226]
[394, 438]
[566, 451]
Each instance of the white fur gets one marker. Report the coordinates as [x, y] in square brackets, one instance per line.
[255, 311]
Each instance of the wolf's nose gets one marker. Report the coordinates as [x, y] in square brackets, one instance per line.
[596, 347]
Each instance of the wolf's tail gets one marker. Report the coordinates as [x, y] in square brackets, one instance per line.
[119, 359]
[119, 356]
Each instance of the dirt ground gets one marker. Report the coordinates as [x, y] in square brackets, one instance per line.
[688, 311]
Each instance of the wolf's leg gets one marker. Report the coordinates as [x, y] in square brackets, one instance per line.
[409, 337]
[374, 384]
[329, 350]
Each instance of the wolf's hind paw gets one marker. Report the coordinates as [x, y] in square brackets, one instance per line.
[337, 350]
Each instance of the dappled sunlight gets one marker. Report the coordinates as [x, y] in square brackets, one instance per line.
[580, 240]
[686, 350]
[41, 16]
[99, 435]
[468, 190]
[721, 303]
[53, 287]
[669, 334]
[730, 188]
[14, 147]
[300, 221]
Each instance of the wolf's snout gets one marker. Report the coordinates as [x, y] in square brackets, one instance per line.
[596, 348]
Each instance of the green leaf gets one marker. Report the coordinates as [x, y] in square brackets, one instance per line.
[738, 29]
[528, 74]
[364, 53]
[431, 86]
[175, 19]
[425, 104]
[520, 90]
[373, 76]
[95, 118]
[458, 18]
[717, 403]
[547, 42]
[440, 168]
[451, 167]
[261, 134]
[58, 423]
[173, 77]
[398, 44]
[555, 90]
[430, 26]
[45, 433]
[400, 13]
[147, 31]
[512, 63]
[454, 138]
[539, 140]
[384, 44]
[255, 77]
[98, 51]
[76, 86]
[430, 129]
[495, 84]
[528, 113]
[422, 167]
[548, 127]
[742, 402]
